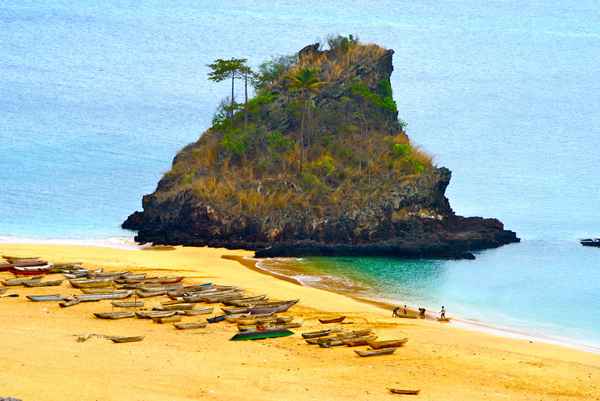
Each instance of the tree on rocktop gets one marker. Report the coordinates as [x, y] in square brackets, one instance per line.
[306, 82]
[232, 68]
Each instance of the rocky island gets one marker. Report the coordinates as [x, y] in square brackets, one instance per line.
[316, 163]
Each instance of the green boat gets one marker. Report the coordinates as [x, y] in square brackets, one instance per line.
[259, 335]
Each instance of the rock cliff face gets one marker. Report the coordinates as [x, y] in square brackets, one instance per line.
[321, 170]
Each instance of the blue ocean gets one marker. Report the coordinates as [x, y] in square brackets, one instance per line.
[97, 97]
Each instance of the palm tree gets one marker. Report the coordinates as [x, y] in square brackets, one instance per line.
[306, 82]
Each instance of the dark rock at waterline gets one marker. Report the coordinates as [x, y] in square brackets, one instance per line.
[395, 206]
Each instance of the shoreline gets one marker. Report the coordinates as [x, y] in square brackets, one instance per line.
[443, 361]
[456, 321]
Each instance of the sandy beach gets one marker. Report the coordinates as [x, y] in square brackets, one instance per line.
[41, 359]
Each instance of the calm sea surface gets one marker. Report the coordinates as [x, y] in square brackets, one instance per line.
[96, 98]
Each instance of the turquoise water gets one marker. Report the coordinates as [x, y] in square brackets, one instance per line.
[96, 98]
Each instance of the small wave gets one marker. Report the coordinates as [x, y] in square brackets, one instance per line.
[114, 242]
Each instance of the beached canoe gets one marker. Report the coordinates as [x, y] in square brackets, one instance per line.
[235, 310]
[216, 319]
[333, 320]
[39, 283]
[114, 315]
[6, 266]
[150, 294]
[168, 319]
[2, 290]
[270, 326]
[259, 335]
[444, 320]
[30, 270]
[130, 339]
[359, 341]
[403, 391]
[272, 309]
[319, 333]
[29, 262]
[189, 326]
[69, 302]
[254, 319]
[387, 343]
[110, 275]
[382, 351]
[175, 307]
[92, 283]
[163, 280]
[154, 314]
[11, 282]
[11, 258]
[46, 298]
[100, 297]
[196, 312]
[353, 334]
[247, 301]
[127, 304]
[103, 290]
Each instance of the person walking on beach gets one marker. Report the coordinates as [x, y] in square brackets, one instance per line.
[404, 310]
[396, 312]
[443, 313]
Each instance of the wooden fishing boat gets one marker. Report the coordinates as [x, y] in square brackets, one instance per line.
[234, 310]
[333, 320]
[29, 262]
[19, 270]
[354, 333]
[408, 315]
[254, 319]
[2, 290]
[46, 298]
[404, 391]
[104, 290]
[196, 312]
[168, 319]
[100, 297]
[269, 326]
[69, 302]
[164, 280]
[330, 343]
[149, 294]
[114, 315]
[6, 266]
[259, 335]
[154, 314]
[39, 283]
[76, 275]
[175, 307]
[319, 333]
[159, 287]
[130, 339]
[92, 283]
[382, 351]
[189, 326]
[387, 343]
[359, 341]
[110, 275]
[216, 319]
[444, 319]
[247, 301]
[17, 258]
[273, 309]
[128, 304]
[11, 282]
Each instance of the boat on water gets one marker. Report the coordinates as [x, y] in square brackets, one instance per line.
[595, 242]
